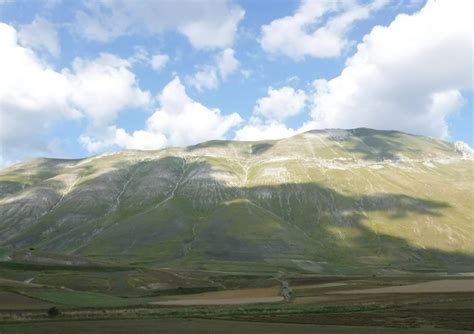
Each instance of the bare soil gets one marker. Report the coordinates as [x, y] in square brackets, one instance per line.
[221, 301]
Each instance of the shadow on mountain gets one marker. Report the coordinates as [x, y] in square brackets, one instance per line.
[370, 144]
[260, 148]
[179, 213]
[210, 143]
[255, 148]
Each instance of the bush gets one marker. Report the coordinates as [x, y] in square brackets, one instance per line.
[54, 312]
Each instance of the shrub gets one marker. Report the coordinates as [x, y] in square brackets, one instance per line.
[54, 312]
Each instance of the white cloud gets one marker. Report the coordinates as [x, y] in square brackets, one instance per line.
[208, 24]
[281, 103]
[179, 121]
[27, 103]
[40, 35]
[159, 61]
[118, 137]
[226, 63]
[209, 76]
[206, 78]
[33, 95]
[406, 76]
[269, 113]
[310, 33]
[102, 87]
[257, 129]
[221, 25]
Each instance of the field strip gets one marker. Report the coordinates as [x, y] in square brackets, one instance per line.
[316, 286]
[223, 301]
[440, 286]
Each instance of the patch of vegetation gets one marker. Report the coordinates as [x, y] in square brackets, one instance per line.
[183, 291]
[53, 312]
[42, 267]
[84, 299]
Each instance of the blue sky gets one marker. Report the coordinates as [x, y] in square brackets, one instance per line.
[85, 77]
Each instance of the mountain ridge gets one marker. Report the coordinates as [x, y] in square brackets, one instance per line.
[325, 201]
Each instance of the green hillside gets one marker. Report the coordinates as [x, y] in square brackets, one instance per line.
[329, 201]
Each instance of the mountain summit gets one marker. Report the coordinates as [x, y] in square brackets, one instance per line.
[326, 201]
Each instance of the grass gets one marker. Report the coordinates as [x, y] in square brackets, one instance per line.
[84, 299]
[4, 252]
[53, 267]
[195, 326]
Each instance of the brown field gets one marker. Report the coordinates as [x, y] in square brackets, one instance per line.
[226, 297]
[238, 293]
[220, 301]
[14, 301]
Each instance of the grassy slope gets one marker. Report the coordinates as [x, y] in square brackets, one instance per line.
[322, 201]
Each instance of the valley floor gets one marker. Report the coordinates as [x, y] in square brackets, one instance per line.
[145, 300]
[196, 326]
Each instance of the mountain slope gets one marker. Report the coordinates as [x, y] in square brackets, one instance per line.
[329, 201]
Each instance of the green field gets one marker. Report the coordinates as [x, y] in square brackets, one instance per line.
[196, 326]
[84, 299]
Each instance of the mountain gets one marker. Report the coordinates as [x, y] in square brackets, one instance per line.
[326, 201]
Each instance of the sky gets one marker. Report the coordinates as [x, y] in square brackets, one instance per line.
[79, 78]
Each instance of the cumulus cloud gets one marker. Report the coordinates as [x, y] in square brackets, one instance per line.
[102, 87]
[33, 95]
[270, 112]
[178, 121]
[40, 35]
[281, 103]
[317, 28]
[226, 63]
[406, 76]
[27, 104]
[209, 76]
[258, 129]
[208, 24]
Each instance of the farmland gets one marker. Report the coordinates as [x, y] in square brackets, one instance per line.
[145, 299]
